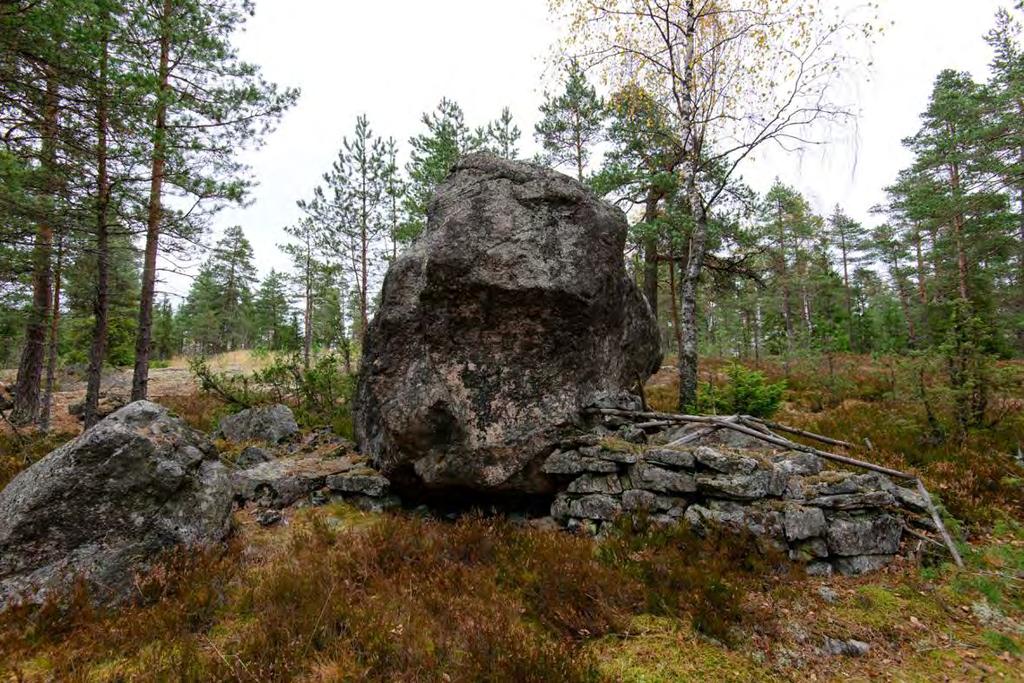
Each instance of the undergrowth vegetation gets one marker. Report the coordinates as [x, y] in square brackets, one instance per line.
[343, 596]
[320, 394]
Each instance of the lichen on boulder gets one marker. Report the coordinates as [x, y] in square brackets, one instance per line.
[105, 505]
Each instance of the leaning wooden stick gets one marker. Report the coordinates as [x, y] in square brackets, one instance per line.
[923, 492]
[695, 436]
[799, 432]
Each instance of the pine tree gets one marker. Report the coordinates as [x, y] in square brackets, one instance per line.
[1005, 102]
[502, 136]
[432, 156]
[207, 104]
[200, 315]
[272, 314]
[231, 263]
[572, 122]
[309, 266]
[848, 237]
[639, 169]
[353, 207]
[394, 191]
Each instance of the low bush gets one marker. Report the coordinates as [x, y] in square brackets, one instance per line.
[702, 578]
[321, 395]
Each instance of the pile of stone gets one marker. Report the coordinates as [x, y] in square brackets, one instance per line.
[279, 468]
[829, 520]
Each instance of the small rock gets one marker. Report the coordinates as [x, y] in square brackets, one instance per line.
[854, 501]
[267, 517]
[670, 457]
[597, 506]
[595, 483]
[736, 486]
[572, 462]
[846, 482]
[252, 456]
[654, 478]
[283, 481]
[615, 400]
[701, 518]
[866, 534]
[560, 507]
[849, 648]
[363, 481]
[635, 500]
[611, 455]
[819, 569]
[722, 462]
[271, 424]
[632, 434]
[860, 564]
[802, 523]
[828, 595]
[798, 463]
[809, 550]
[909, 499]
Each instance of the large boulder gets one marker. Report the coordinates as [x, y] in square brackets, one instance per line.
[507, 316]
[104, 505]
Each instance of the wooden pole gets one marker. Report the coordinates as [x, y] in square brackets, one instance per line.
[927, 499]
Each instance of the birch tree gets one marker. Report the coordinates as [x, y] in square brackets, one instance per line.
[735, 75]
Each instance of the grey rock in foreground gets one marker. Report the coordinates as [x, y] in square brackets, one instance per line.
[511, 313]
[270, 424]
[107, 503]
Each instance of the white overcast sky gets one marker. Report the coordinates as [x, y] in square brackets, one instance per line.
[394, 59]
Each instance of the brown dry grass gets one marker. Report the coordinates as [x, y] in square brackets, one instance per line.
[344, 596]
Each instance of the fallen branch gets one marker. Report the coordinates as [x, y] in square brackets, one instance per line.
[800, 432]
[695, 436]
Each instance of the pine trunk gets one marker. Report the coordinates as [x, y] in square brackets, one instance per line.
[650, 284]
[676, 332]
[30, 368]
[144, 334]
[51, 362]
[307, 342]
[101, 302]
[846, 290]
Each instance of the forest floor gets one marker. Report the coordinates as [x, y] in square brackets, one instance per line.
[336, 594]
